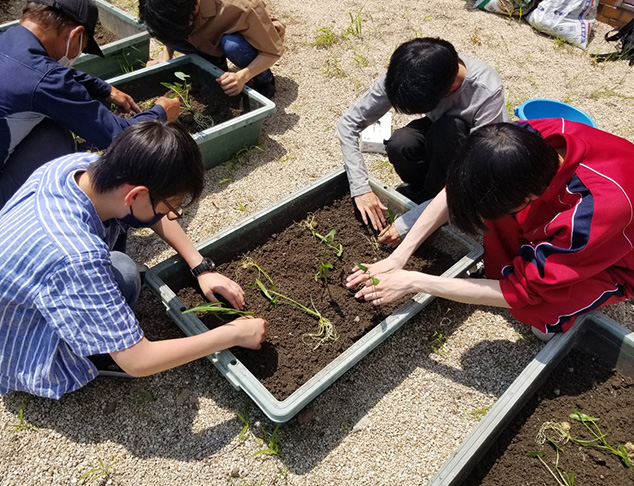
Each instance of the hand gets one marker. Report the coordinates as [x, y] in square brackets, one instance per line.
[388, 287]
[231, 83]
[123, 100]
[172, 107]
[152, 62]
[375, 270]
[212, 283]
[165, 55]
[371, 208]
[390, 237]
[250, 331]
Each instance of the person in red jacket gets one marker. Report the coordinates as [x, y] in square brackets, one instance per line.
[555, 201]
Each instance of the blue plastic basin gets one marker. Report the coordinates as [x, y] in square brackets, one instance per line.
[545, 108]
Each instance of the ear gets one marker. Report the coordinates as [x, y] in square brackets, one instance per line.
[132, 193]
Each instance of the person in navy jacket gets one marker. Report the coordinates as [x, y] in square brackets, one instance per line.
[42, 99]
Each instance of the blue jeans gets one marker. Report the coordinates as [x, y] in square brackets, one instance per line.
[236, 48]
[126, 274]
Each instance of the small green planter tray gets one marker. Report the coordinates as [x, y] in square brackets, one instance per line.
[173, 273]
[220, 142]
[591, 333]
[130, 52]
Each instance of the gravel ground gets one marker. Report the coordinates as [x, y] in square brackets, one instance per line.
[398, 414]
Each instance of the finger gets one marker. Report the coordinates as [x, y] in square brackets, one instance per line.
[364, 216]
[211, 297]
[135, 108]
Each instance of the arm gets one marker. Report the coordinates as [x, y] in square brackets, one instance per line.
[149, 357]
[165, 55]
[233, 83]
[210, 282]
[398, 283]
[68, 102]
[492, 110]
[362, 113]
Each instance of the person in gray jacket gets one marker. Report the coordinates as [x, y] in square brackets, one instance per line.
[456, 94]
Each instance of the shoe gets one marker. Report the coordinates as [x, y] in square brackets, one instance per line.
[265, 89]
[542, 336]
[106, 366]
[142, 271]
[410, 192]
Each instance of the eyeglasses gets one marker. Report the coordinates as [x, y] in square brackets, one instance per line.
[173, 213]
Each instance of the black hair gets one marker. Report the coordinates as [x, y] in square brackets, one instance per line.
[496, 169]
[420, 74]
[47, 17]
[159, 155]
[168, 20]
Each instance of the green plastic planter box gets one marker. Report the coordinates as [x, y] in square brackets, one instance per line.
[172, 274]
[593, 333]
[220, 142]
[130, 52]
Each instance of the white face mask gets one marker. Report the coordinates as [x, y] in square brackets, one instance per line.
[65, 60]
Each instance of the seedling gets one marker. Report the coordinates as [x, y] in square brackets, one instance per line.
[181, 90]
[102, 471]
[244, 418]
[333, 68]
[562, 478]
[479, 413]
[391, 217]
[328, 240]
[22, 425]
[375, 281]
[218, 308]
[240, 207]
[356, 24]
[438, 343]
[323, 272]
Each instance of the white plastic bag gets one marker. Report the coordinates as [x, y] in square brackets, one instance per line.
[570, 20]
[519, 8]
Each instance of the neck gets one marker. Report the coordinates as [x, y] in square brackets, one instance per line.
[460, 77]
[103, 202]
[48, 37]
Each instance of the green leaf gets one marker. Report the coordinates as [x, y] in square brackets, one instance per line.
[535, 453]
[624, 457]
[362, 267]
[181, 75]
[265, 291]
[582, 417]
[217, 307]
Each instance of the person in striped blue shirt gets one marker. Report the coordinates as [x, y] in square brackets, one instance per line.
[66, 297]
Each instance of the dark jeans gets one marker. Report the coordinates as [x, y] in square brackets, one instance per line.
[422, 150]
[47, 141]
[235, 48]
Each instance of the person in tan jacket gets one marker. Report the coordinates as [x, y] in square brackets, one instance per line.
[243, 31]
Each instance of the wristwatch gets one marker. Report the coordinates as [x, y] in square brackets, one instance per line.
[207, 265]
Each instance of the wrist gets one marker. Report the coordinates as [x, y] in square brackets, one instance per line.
[205, 266]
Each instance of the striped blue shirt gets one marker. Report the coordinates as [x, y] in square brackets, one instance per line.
[59, 301]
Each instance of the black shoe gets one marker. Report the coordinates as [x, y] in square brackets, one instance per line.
[410, 192]
[265, 89]
[106, 366]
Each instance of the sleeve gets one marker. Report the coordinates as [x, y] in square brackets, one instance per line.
[60, 97]
[264, 32]
[82, 303]
[97, 88]
[585, 240]
[492, 110]
[362, 113]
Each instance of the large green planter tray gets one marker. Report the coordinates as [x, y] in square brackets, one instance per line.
[130, 52]
[220, 142]
[173, 274]
[592, 333]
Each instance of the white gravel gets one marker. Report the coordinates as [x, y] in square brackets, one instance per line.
[404, 409]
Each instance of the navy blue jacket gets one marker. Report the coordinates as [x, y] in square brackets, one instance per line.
[33, 86]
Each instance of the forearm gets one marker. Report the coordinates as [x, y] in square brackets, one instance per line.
[261, 63]
[172, 233]
[466, 290]
[149, 357]
[434, 216]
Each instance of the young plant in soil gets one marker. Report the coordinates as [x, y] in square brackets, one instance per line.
[181, 90]
[328, 240]
[325, 331]
[218, 308]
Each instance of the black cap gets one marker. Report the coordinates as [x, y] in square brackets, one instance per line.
[84, 12]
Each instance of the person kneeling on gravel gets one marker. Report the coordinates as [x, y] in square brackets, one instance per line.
[425, 76]
[243, 31]
[43, 100]
[555, 201]
[66, 299]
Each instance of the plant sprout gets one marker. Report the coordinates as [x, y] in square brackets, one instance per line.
[22, 424]
[562, 478]
[328, 240]
[217, 307]
[181, 90]
[323, 272]
[102, 471]
[375, 281]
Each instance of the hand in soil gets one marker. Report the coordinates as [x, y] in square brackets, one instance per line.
[371, 208]
[391, 286]
[172, 107]
[123, 101]
[231, 83]
[371, 272]
[390, 237]
[249, 332]
[212, 283]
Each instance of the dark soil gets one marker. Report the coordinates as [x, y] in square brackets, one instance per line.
[10, 11]
[291, 258]
[103, 36]
[211, 105]
[581, 382]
